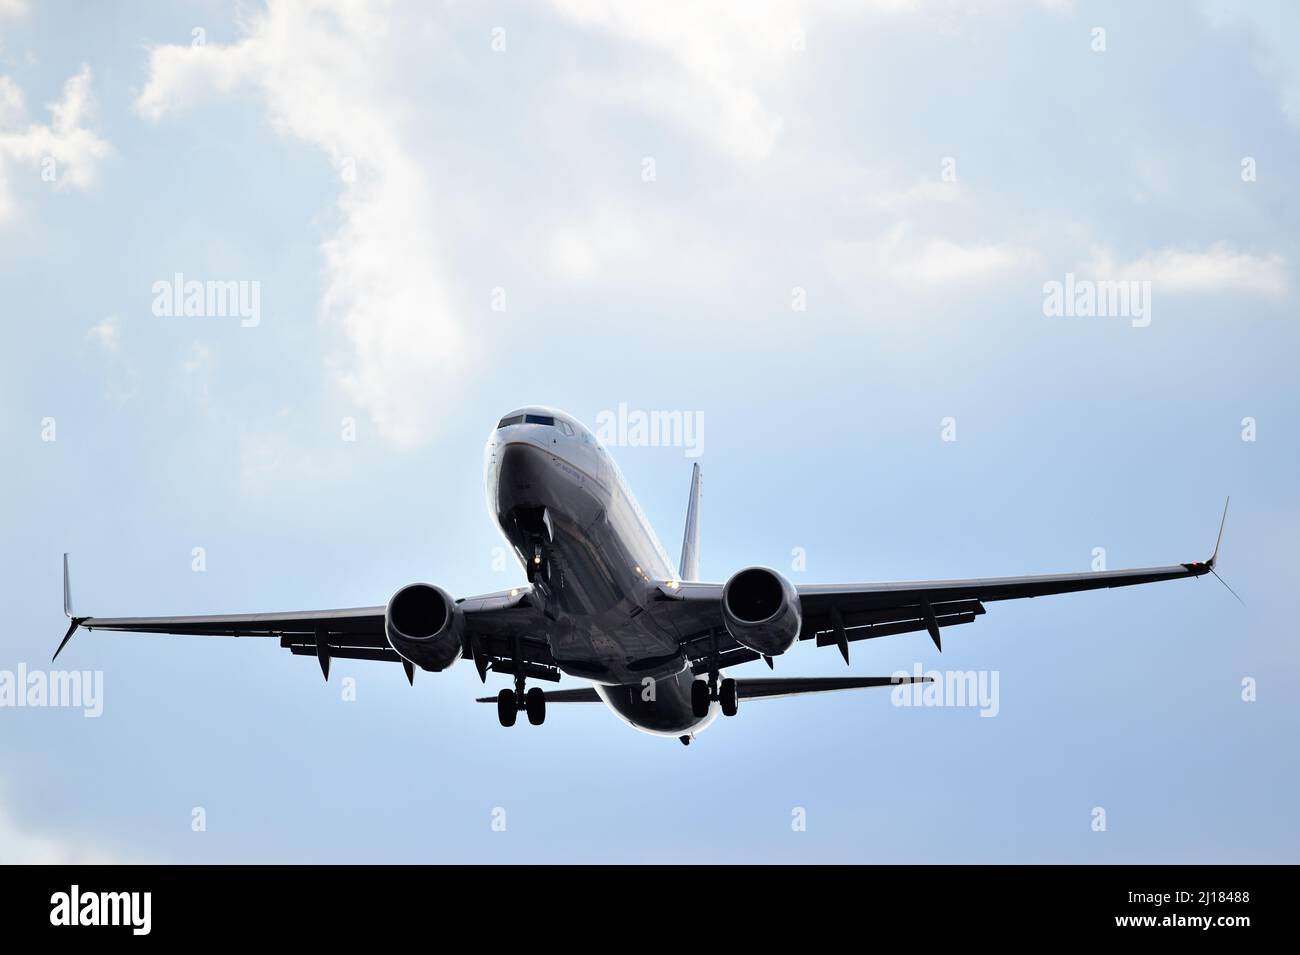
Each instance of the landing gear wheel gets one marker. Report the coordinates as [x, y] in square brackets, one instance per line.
[535, 704]
[699, 699]
[727, 697]
[507, 708]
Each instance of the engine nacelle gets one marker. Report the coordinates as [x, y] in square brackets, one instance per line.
[761, 610]
[424, 625]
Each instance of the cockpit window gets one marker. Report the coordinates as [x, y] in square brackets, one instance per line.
[540, 419]
[565, 427]
[513, 419]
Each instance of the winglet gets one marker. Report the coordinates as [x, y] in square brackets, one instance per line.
[67, 590]
[1215, 556]
[67, 612]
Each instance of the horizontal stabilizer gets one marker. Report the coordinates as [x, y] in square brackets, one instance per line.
[767, 688]
[583, 695]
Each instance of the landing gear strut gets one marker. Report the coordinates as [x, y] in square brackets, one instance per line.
[532, 701]
[703, 693]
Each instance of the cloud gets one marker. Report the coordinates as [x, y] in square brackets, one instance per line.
[319, 69]
[617, 241]
[20, 845]
[1272, 29]
[1185, 270]
[712, 62]
[120, 373]
[932, 260]
[12, 110]
[63, 152]
[107, 333]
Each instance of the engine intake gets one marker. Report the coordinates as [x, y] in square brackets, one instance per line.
[761, 610]
[424, 625]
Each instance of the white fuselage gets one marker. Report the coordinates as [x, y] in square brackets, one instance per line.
[596, 564]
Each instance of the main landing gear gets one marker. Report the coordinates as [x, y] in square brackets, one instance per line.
[705, 692]
[510, 702]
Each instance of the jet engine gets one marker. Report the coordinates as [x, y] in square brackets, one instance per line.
[761, 610]
[424, 625]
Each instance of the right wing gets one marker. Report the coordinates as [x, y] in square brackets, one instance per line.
[501, 631]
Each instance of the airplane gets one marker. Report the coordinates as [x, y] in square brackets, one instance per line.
[604, 603]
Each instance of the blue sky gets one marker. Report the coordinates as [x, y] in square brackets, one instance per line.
[649, 189]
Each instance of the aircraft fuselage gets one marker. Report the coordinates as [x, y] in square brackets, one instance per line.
[594, 560]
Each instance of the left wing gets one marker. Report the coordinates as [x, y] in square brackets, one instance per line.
[839, 614]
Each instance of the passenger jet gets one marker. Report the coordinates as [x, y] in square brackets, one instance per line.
[603, 602]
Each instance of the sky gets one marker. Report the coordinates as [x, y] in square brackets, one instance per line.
[826, 231]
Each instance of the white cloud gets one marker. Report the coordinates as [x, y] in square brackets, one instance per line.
[620, 242]
[932, 260]
[198, 362]
[107, 333]
[319, 69]
[64, 149]
[12, 110]
[712, 61]
[20, 845]
[1272, 28]
[1220, 268]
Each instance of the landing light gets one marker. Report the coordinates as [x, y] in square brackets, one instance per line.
[537, 559]
[672, 584]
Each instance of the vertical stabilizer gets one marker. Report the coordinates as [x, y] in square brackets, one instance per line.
[690, 565]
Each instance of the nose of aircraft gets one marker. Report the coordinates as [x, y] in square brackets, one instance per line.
[520, 458]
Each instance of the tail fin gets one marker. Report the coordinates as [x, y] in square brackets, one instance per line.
[690, 564]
